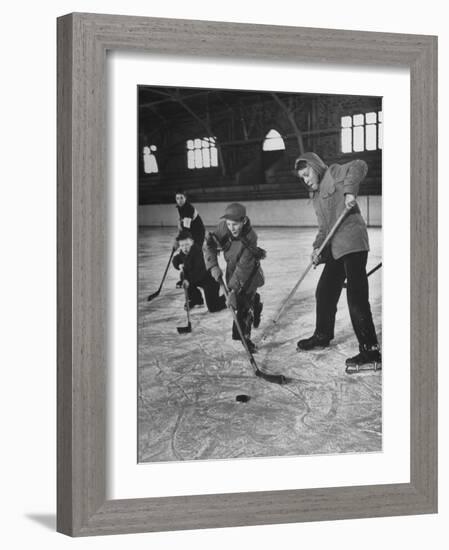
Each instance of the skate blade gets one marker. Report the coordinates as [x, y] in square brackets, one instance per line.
[356, 369]
[316, 348]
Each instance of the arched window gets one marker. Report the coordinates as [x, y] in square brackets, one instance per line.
[273, 141]
[149, 160]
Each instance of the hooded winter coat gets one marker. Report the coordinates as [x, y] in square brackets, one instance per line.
[336, 181]
[243, 271]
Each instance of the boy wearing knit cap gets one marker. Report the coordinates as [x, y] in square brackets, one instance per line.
[237, 240]
[333, 188]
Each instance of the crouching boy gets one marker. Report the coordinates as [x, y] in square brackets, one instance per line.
[238, 241]
[190, 259]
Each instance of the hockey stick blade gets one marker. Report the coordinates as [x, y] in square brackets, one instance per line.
[184, 330]
[154, 295]
[274, 378]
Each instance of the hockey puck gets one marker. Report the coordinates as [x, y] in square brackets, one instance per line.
[242, 398]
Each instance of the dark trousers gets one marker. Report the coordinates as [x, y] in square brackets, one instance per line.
[351, 267]
[245, 316]
[211, 289]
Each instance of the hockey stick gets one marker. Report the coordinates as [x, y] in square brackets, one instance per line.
[156, 294]
[188, 328]
[332, 232]
[275, 378]
[378, 266]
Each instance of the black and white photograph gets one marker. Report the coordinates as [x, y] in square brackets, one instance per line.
[259, 274]
[221, 306]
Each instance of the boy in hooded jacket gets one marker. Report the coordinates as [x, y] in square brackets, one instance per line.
[332, 189]
[235, 237]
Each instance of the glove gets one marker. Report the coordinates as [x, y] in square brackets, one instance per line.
[185, 283]
[349, 200]
[216, 273]
[231, 300]
[316, 258]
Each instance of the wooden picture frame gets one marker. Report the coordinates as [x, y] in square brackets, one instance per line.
[83, 40]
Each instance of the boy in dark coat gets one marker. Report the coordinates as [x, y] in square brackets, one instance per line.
[332, 189]
[244, 275]
[189, 218]
[190, 259]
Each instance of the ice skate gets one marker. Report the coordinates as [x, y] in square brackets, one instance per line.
[247, 335]
[251, 345]
[368, 359]
[316, 341]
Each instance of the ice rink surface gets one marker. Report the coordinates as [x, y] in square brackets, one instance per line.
[188, 383]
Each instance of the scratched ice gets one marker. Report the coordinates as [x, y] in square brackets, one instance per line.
[188, 383]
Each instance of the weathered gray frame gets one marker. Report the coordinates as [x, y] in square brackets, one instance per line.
[83, 40]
